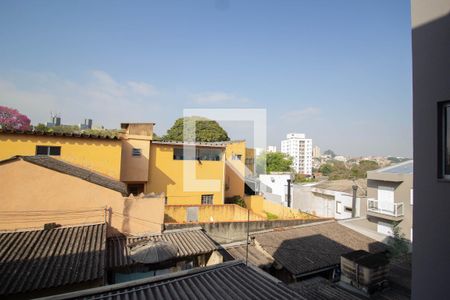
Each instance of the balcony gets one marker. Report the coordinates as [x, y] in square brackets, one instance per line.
[388, 210]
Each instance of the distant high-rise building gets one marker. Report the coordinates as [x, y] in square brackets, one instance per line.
[316, 151]
[271, 148]
[300, 149]
[55, 120]
[86, 125]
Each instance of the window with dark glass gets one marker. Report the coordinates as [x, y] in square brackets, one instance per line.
[136, 152]
[136, 189]
[444, 139]
[48, 150]
[211, 154]
[207, 199]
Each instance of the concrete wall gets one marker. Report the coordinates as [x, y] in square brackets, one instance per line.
[101, 155]
[229, 232]
[32, 196]
[278, 184]
[209, 213]
[322, 203]
[135, 168]
[166, 176]
[431, 77]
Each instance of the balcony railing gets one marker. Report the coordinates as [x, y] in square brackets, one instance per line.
[385, 208]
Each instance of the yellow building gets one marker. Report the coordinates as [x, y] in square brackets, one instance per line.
[235, 169]
[101, 154]
[187, 173]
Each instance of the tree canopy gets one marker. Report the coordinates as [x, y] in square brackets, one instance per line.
[10, 118]
[205, 130]
[275, 162]
[338, 170]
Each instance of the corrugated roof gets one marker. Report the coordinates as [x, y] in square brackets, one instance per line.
[60, 134]
[39, 259]
[318, 288]
[189, 242]
[72, 170]
[255, 256]
[312, 247]
[231, 280]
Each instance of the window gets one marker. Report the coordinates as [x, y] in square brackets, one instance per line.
[136, 189]
[136, 152]
[190, 153]
[48, 150]
[207, 199]
[444, 140]
[236, 157]
[338, 207]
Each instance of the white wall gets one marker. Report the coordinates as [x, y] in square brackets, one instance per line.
[278, 184]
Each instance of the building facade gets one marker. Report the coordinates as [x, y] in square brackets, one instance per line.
[316, 152]
[299, 148]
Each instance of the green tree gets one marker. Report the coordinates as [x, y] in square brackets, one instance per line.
[205, 130]
[275, 162]
[398, 245]
[326, 169]
[360, 170]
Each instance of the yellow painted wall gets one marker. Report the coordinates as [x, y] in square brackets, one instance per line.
[100, 155]
[235, 169]
[135, 168]
[210, 213]
[260, 206]
[32, 196]
[166, 176]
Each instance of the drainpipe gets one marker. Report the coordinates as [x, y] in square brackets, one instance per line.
[355, 189]
[289, 193]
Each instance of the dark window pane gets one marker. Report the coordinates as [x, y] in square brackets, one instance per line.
[41, 150]
[55, 150]
[447, 139]
[136, 152]
[207, 199]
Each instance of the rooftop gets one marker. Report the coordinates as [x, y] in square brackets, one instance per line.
[255, 256]
[311, 247]
[72, 170]
[38, 259]
[60, 134]
[196, 144]
[344, 185]
[406, 167]
[230, 280]
[189, 242]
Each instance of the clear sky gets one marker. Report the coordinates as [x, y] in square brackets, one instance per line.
[339, 71]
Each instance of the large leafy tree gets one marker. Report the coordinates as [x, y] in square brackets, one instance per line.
[274, 161]
[205, 130]
[10, 118]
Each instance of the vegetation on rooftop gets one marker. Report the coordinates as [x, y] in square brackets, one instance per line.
[75, 129]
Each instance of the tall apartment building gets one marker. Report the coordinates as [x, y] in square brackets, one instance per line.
[316, 151]
[300, 149]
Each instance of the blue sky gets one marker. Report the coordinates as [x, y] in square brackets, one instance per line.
[339, 71]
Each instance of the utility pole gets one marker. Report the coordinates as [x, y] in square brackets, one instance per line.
[289, 193]
[355, 189]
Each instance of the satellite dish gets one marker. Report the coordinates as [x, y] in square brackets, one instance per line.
[150, 252]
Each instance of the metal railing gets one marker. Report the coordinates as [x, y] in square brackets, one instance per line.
[385, 208]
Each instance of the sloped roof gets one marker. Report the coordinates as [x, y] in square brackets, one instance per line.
[230, 280]
[189, 242]
[406, 167]
[312, 247]
[59, 134]
[255, 257]
[319, 288]
[72, 170]
[39, 259]
[344, 185]
[196, 144]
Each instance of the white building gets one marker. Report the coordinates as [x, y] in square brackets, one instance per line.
[300, 149]
[278, 187]
[271, 148]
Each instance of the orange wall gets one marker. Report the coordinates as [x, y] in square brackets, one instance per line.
[100, 155]
[35, 195]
